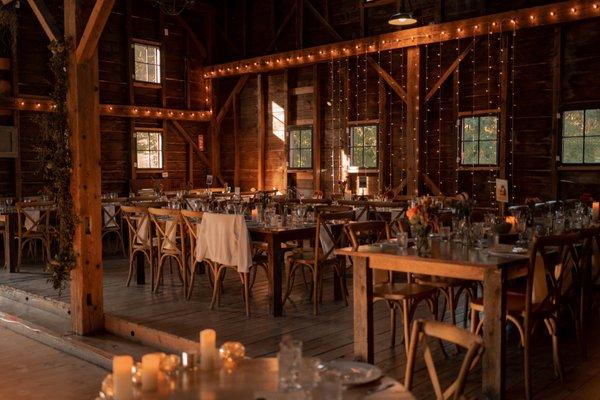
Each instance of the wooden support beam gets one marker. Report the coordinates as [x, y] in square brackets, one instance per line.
[551, 14]
[414, 112]
[383, 136]
[262, 94]
[398, 189]
[556, 99]
[503, 108]
[83, 105]
[236, 141]
[317, 113]
[93, 30]
[431, 185]
[284, 23]
[396, 87]
[455, 125]
[227, 105]
[46, 20]
[198, 45]
[299, 24]
[437, 85]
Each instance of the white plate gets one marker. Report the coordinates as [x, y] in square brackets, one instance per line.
[355, 373]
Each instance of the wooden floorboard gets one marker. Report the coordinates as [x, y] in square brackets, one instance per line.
[328, 336]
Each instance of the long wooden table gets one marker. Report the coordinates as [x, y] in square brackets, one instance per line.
[10, 246]
[448, 260]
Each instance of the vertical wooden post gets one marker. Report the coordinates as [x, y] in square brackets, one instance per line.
[317, 128]
[556, 98]
[455, 111]
[236, 141]
[504, 105]
[383, 138]
[83, 105]
[261, 91]
[414, 107]
[215, 147]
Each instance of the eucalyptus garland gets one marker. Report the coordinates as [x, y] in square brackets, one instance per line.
[54, 155]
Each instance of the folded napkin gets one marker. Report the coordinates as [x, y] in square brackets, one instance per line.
[109, 215]
[224, 238]
[142, 227]
[171, 234]
[31, 219]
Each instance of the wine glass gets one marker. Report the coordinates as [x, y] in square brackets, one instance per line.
[301, 213]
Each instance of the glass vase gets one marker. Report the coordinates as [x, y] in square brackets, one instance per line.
[423, 247]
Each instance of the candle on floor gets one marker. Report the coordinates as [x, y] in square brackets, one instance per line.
[596, 210]
[122, 385]
[208, 349]
[150, 364]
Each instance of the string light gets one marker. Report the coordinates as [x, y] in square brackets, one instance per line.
[513, 48]
[441, 109]
[456, 122]
[474, 88]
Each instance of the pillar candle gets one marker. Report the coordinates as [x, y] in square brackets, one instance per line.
[254, 214]
[596, 211]
[150, 364]
[122, 385]
[208, 349]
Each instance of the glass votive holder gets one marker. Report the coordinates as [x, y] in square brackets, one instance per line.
[169, 364]
[189, 360]
[232, 354]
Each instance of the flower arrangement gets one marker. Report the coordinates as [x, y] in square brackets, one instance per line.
[462, 205]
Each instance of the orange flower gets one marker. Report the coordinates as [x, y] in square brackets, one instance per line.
[411, 212]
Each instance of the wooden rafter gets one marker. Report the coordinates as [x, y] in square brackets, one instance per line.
[192, 35]
[551, 14]
[227, 105]
[93, 29]
[450, 70]
[45, 18]
[396, 87]
[284, 23]
[431, 185]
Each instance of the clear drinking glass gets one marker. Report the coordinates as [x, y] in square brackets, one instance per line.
[445, 233]
[402, 240]
[330, 386]
[309, 373]
[290, 362]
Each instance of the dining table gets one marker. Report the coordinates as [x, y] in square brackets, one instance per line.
[446, 259]
[8, 216]
[275, 237]
[255, 379]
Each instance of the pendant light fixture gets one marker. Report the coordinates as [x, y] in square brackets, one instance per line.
[403, 17]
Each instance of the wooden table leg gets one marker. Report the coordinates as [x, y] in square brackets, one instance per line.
[140, 272]
[10, 247]
[337, 288]
[363, 310]
[275, 270]
[494, 334]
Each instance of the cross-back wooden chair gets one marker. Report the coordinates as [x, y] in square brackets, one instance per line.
[332, 208]
[588, 280]
[170, 243]
[544, 295]
[421, 332]
[112, 221]
[191, 219]
[398, 296]
[139, 230]
[329, 236]
[33, 225]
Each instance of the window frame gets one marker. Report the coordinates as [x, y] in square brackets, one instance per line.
[562, 137]
[159, 59]
[351, 145]
[478, 116]
[288, 134]
[161, 151]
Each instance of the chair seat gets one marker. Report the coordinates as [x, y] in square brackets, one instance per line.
[402, 291]
[515, 304]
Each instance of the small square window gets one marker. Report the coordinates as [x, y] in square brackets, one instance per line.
[363, 146]
[300, 147]
[479, 140]
[581, 136]
[147, 62]
[148, 148]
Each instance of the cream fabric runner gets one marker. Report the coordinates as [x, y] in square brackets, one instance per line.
[171, 232]
[31, 218]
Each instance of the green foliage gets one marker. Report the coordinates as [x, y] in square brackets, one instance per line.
[300, 147]
[581, 137]
[54, 154]
[479, 140]
[363, 149]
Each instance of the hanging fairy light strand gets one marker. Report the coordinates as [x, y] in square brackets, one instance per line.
[457, 122]
[391, 124]
[512, 114]
[491, 183]
[331, 105]
[474, 88]
[426, 116]
[440, 111]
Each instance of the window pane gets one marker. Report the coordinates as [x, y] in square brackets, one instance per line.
[306, 158]
[469, 153]
[370, 135]
[142, 141]
[154, 141]
[143, 159]
[592, 149]
[573, 123]
[572, 150]
[306, 140]
[370, 159]
[152, 55]
[295, 139]
[487, 152]
[141, 72]
[295, 159]
[592, 122]
[139, 52]
[357, 136]
[469, 128]
[151, 73]
[488, 128]
[357, 157]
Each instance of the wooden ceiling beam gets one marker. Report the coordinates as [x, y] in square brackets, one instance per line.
[551, 14]
[450, 70]
[46, 20]
[396, 87]
[284, 23]
[192, 35]
[93, 30]
[188, 138]
[227, 105]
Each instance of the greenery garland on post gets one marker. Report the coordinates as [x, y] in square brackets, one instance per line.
[54, 154]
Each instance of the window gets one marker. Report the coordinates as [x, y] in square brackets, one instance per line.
[581, 137]
[148, 148]
[147, 63]
[479, 142]
[300, 147]
[363, 146]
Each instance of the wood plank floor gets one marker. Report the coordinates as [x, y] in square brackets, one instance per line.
[328, 336]
[33, 371]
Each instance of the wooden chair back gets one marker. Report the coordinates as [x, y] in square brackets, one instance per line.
[33, 218]
[367, 232]
[591, 254]
[168, 227]
[111, 220]
[138, 226]
[328, 232]
[332, 209]
[421, 333]
[190, 220]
